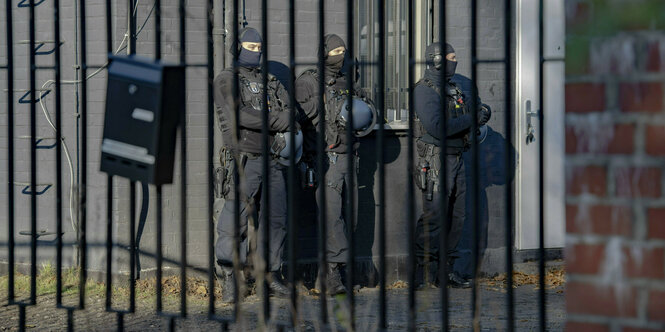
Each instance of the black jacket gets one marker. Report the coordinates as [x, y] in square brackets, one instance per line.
[427, 104]
[307, 96]
[251, 115]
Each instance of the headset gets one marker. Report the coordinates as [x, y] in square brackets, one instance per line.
[435, 56]
[437, 60]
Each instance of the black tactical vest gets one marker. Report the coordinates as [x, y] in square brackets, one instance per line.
[251, 94]
[456, 108]
[334, 98]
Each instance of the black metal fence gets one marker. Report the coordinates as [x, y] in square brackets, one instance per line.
[227, 321]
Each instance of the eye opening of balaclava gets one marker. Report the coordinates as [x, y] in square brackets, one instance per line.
[333, 63]
[247, 58]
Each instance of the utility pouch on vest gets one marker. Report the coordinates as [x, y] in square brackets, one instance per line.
[429, 192]
[220, 177]
[421, 175]
[421, 148]
[307, 176]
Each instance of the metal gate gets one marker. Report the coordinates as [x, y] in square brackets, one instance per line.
[227, 321]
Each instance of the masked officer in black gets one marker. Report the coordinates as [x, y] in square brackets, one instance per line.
[246, 155]
[429, 93]
[336, 176]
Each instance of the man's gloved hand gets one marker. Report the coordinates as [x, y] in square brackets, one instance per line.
[279, 121]
[484, 114]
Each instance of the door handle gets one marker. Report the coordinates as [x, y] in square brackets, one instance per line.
[530, 130]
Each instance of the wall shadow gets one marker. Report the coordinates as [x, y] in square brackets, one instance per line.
[492, 171]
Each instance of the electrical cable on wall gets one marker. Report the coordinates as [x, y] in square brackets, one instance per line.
[47, 115]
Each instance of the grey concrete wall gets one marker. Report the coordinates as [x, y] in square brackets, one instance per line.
[490, 83]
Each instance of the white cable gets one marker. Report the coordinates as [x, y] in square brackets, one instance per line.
[47, 115]
[69, 158]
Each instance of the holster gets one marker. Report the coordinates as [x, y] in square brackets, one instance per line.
[224, 174]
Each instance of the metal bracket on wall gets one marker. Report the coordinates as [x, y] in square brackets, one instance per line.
[40, 140]
[40, 43]
[26, 3]
[25, 98]
[26, 188]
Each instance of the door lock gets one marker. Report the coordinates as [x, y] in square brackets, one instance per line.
[530, 129]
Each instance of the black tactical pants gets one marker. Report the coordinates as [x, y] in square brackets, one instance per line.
[337, 179]
[251, 210]
[428, 226]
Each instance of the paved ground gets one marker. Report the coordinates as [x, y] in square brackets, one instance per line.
[45, 317]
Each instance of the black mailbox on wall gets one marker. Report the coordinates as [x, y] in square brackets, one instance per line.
[144, 99]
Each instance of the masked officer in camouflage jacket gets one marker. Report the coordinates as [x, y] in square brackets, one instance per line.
[429, 93]
[246, 155]
[336, 177]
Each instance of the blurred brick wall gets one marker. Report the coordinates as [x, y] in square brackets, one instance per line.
[615, 157]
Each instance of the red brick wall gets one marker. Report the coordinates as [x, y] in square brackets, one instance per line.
[615, 159]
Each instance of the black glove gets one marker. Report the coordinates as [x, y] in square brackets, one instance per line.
[360, 92]
[279, 121]
[484, 114]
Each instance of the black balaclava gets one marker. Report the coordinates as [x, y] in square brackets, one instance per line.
[450, 65]
[333, 63]
[247, 58]
[436, 61]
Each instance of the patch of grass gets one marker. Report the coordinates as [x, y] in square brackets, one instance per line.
[197, 289]
[46, 282]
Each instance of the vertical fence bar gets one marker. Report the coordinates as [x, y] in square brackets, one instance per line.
[131, 26]
[183, 167]
[109, 182]
[33, 159]
[411, 265]
[443, 180]
[83, 275]
[21, 317]
[10, 151]
[509, 166]
[158, 29]
[236, 177]
[109, 242]
[541, 178]
[158, 188]
[350, 197]
[292, 194]
[320, 154]
[132, 247]
[211, 147]
[380, 142]
[159, 230]
[58, 154]
[264, 225]
[475, 303]
[70, 319]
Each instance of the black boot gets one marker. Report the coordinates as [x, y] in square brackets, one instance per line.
[227, 282]
[277, 287]
[419, 281]
[334, 280]
[455, 281]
